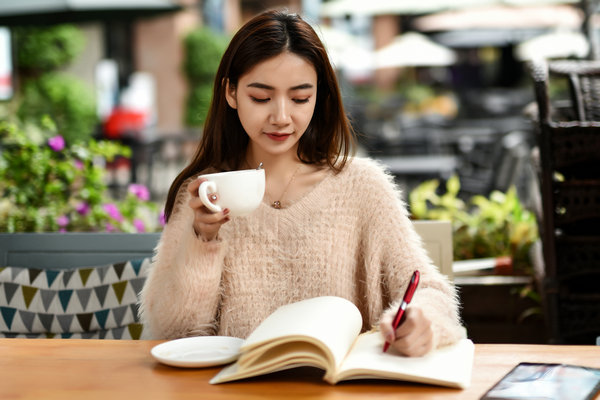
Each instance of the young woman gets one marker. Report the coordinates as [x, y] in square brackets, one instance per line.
[329, 224]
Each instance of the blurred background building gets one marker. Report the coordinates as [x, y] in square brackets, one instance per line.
[435, 87]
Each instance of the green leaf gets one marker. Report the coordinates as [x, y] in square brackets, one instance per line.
[38, 185]
[453, 185]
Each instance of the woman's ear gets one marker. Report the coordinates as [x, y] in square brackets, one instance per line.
[230, 95]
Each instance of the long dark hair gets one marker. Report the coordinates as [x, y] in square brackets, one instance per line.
[329, 138]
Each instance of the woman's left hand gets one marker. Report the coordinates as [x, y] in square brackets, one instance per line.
[413, 337]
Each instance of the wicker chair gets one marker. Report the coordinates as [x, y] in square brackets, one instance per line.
[569, 143]
[584, 82]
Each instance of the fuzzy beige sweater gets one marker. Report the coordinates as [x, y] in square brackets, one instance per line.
[349, 236]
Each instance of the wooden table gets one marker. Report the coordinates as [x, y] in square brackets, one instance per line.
[110, 370]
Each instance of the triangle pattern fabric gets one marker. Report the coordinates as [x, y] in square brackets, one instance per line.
[101, 271]
[67, 277]
[119, 314]
[27, 318]
[46, 320]
[9, 291]
[84, 297]
[28, 294]
[65, 321]
[101, 317]
[88, 302]
[119, 267]
[135, 331]
[33, 273]
[119, 289]
[118, 332]
[135, 310]
[84, 274]
[65, 298]
[8, 315]
[85, 320]
[137, 284]
[47, 297]
[51, 275]
[136, 265]
[15, 272]
[101, 293]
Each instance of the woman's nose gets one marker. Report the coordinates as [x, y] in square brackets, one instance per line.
[280, 113]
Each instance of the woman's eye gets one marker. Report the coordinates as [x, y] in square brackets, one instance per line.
[301, 101]
[259, 100]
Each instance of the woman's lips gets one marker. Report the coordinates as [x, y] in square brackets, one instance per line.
[279, 137]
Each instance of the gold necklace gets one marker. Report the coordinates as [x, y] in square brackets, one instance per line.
[277, 203]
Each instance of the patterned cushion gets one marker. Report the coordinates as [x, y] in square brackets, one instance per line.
[92, 302]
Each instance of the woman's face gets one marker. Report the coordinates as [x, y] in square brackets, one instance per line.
[275, 101]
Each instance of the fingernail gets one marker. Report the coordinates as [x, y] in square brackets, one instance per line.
[389, 338]
[226, 211]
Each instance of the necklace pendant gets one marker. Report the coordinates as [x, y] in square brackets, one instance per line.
[276, 204]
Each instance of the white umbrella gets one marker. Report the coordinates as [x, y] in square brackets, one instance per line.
[559, 44]
[413, 49]
[502, 16]
[340, 8]
[336, 41]
[346, 51]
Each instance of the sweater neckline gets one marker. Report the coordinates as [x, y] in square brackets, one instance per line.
[302, 200]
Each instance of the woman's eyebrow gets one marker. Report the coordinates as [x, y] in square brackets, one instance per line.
[302, 86]
[259, 85]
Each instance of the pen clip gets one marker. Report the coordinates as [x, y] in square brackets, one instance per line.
[412, 287]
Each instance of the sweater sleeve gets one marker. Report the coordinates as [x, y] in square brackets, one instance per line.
[396, 250]
[182, 291]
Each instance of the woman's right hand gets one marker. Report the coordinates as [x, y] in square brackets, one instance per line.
[206, 223]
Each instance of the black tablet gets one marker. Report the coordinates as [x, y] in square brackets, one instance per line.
[539, 381]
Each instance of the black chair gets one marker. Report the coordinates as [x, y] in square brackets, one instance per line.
[568, 136]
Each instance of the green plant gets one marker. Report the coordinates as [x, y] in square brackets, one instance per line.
[67, 100]
[47, 185]
[44, 49]
[41, 52]
[203, 51]
[492, 226]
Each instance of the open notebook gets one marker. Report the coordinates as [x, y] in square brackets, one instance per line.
[324, 332]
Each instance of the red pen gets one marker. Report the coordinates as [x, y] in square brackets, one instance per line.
[408, 295]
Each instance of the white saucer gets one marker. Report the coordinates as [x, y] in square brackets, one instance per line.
[200, 351]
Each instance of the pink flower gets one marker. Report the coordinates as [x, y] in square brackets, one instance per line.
[110, 228]
[83, 208]
[140, 191]
[56, 143]
[78, 164]
[62, 221]
[139, 225]
[113, 212]
[161, 218]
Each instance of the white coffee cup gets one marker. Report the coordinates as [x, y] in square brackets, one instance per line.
[240, 191]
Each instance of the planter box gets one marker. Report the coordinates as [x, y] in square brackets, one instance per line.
[71, 250]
